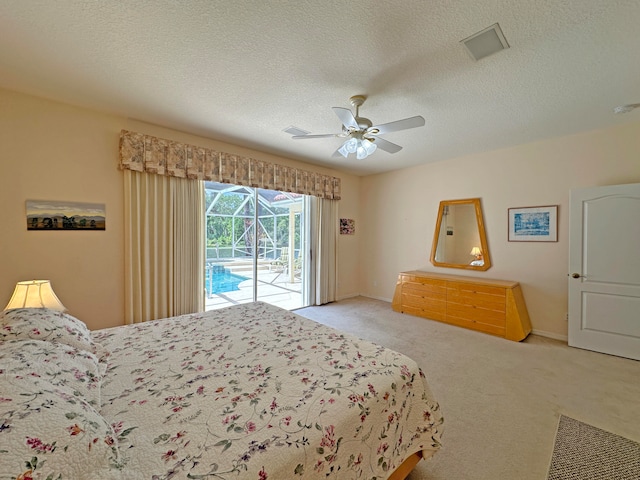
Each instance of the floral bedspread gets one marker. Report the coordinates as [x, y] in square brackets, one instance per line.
[50, 377]
[256, 392]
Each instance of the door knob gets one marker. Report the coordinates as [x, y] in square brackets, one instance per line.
[575, 275]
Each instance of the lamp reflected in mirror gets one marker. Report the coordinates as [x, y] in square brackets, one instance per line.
[477, 254]
[460, 234]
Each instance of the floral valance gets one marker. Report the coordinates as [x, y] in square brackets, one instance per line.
[145, 153]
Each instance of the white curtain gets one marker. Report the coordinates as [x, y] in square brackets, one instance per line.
[323, 259]
[164, 246]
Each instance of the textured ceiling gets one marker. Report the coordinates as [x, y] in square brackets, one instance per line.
[241, 71]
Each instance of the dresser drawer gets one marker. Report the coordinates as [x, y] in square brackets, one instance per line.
[476, 314]
[413, 279]
[425, 290]
[430, 311]
[475, 325]
[491, 298]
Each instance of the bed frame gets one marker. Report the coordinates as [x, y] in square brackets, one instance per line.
[407, 466]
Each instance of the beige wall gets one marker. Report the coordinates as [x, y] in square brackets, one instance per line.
[399, 209]
[53, 151]
[349, 245]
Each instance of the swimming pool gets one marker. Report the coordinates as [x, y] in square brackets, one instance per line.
[219, 279]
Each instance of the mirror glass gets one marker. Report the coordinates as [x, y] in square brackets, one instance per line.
[460, 240]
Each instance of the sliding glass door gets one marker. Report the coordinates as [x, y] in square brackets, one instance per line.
[256, 246]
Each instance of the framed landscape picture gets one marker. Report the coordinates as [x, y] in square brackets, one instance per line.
[54, 215]
[533, 224]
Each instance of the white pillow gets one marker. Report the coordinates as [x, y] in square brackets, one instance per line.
[47, 432]
[61, 365]
[50, 325]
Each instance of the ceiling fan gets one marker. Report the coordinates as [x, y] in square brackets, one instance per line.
[361, 135]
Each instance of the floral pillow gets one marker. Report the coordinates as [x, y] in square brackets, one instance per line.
[61, 365]
[50, 325]
[47, 432]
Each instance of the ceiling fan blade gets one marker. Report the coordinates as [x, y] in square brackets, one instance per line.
[386, 145]
[346, 117]
[324, 135]
[411, 122]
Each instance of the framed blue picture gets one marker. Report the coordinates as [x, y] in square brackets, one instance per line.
[533, 224]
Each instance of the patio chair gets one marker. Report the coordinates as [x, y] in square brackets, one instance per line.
[281, 263]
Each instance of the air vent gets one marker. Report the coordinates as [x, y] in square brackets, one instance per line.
[295, 131]
[487, 42]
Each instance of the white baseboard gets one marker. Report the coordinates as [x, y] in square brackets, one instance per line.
[353, 295]
[388, 300]
[344, 297]
[555, 336]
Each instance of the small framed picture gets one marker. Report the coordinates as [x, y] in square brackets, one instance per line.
[533, 224]
[347, 226]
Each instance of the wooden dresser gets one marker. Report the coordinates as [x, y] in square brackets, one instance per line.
[490, 306]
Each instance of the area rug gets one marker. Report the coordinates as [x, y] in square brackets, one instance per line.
[584, 452]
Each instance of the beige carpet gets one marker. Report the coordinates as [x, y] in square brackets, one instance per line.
[501, 400]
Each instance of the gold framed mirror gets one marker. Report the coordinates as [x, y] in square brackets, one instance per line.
[459, 240]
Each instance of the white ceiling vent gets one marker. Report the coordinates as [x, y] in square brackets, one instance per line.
[485, 43]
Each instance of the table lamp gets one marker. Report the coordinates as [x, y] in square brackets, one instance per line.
[35, 294]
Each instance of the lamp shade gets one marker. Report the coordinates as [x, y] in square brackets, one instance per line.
[35, 294]
[475, 251]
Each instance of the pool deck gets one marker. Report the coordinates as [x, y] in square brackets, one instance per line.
[274, 287]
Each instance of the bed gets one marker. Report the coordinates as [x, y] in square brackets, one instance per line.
[245, 392]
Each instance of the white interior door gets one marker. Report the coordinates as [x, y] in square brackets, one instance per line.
[604, 270]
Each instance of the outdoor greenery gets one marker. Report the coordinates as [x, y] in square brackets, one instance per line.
[232, 217]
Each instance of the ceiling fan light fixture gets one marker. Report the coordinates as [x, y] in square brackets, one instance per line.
[362, 147]
[366, 148]
[350, 146]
